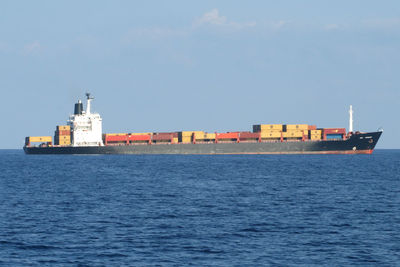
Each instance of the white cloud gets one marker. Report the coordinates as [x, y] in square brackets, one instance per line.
[212, 17]
[215, 19]
[32, 47]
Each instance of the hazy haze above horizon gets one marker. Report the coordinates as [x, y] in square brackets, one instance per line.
[199, 65]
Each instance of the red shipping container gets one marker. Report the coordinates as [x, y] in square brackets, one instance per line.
[174, 134]
[64, 132]
[247, 135]
[334, 131]
[139, 138]
[228, 135]
[312, 127]
[163, 137]
[116, 138]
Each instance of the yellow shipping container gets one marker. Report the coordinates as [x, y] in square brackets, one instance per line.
[271, 127]
[141, 134]
[186, 133]
[267, 127]
[63, 127]
[116, 134]
[292, 133]
[190, 133]
[209, 136]
[64, 143]
[312, 132]
[315, 137]
[296, 127]
[175, 139]
[204, 136]
[186, 139]
[63, 137]
[270, 134]
[42, 139]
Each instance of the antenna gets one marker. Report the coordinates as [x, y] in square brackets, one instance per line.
[351, 119]
[88, 96]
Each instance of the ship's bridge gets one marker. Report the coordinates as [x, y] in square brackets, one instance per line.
[86, 127]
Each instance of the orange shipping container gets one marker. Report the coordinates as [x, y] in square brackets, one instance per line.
[227, 135]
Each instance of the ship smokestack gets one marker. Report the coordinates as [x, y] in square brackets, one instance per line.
[351, 119]
[78, 108]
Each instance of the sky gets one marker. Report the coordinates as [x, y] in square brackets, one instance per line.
[200, 65]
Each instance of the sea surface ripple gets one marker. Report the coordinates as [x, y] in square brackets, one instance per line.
[179, 210]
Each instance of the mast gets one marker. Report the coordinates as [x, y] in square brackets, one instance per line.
[89, 99]
[351, 119]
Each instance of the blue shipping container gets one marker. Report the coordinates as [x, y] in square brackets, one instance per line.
[333, 136]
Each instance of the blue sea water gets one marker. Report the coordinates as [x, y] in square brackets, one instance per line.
[177, 210]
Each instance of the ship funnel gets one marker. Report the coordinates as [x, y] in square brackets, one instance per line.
[351, 119]
[78, 108]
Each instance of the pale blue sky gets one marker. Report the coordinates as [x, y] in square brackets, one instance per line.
[199, 65]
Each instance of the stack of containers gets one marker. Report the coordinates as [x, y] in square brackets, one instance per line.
[249, 137]
[334, 133]
[62, 136]
[190, 136]
[37, 139]
[268, 131]
[295, 131]
[227, 137]
[139, 138]
[200, 136]
[116, 139]
[315, 134]
[164, 137]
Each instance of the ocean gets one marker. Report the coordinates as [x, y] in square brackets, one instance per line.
[204, 210]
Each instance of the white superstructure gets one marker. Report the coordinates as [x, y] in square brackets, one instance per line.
[86, 127]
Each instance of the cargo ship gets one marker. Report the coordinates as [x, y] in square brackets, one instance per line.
[83, 135]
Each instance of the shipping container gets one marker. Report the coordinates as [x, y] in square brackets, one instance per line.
[186, 139]
[116, 134]
[62, 137]
[174, 134]
[271, 134]
[41, 139]
[162, 137]
[267, 127]
[314, 132]
[209, 136]
[175, 140]
[289, 127]
[190, 133]
[63, 132]
[315, 137]
[312, 127]
[334, 131]
[140, 133]
[248, 135]
[64, 143]
[233, 135]
[293, 134]
[334, 136]
[116, 138]
[205, 137]
[63, 127]
[144, 137]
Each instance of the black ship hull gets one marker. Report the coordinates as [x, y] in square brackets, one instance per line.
[362, 143]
